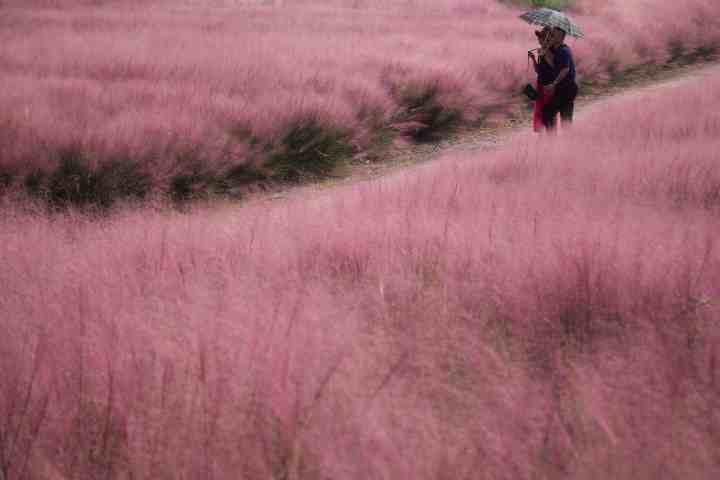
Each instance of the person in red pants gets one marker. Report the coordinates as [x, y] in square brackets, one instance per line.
[544, 67]
[563, 88]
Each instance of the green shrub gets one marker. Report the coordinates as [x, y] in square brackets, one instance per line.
[243, 175]
[6, 179]
[34, 183]
[308, 148]
[73, 183]
[192, 181]
[120, 178]
[676, 49]
[682, 54]
[554, 4]
[425, 112]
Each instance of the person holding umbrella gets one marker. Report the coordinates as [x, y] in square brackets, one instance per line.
[558, 96]
[545, 69]
[564, 88]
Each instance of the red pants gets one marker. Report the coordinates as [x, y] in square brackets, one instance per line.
[543, 98]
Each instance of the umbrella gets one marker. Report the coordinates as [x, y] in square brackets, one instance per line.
[552, 18]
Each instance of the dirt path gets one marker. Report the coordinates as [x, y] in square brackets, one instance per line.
[403, 156]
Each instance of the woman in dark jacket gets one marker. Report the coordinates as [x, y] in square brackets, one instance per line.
[564, 87]
[544, 67]
[557, 65]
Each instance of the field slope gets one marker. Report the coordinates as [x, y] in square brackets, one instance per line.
[127, 99]
[548, 310]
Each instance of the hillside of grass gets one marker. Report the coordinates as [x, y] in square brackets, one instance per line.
[548, 310]
[131, 100]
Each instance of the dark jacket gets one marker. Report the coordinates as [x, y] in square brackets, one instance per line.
[545, 72]
[563, 59]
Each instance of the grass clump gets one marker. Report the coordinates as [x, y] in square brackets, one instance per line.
[74, 184]
[681, 54]
[553, 4]
[192, 182]
[308, 148]
[424, 116]
[6, 179]
[120, 178]
[243, 174]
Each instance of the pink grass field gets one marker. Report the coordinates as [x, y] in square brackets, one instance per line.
[159, 81]
[549, 310]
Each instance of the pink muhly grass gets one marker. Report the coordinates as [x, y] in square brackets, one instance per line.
[547, 310]
[157, 81]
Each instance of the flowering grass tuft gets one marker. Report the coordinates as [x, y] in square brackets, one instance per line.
[153, 82]
[546, 310]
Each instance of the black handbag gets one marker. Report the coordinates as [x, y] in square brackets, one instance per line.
[530, 92]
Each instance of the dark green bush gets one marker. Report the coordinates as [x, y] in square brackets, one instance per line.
[74, 184]
[34, 182]
[120, 178]
[422, 108]
[554, 4]
[243, 175]
[192, 182]
[308, 148]
[676, 49]
[6, 179]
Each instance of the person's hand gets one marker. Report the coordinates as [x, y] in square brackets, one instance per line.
[545, 42]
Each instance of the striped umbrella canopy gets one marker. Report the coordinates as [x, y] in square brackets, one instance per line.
[547, 17]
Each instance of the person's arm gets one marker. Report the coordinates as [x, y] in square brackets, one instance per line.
[547, 55]
[561, 76]
[562, 58]
[536, 66]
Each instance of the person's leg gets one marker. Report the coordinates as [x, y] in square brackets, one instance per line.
[549, 115]
[568, 106]
[566, 112]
